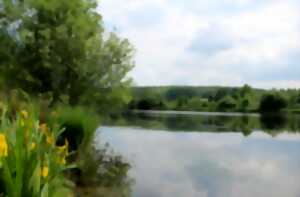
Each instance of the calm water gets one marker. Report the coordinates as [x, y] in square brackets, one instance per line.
[207, 155]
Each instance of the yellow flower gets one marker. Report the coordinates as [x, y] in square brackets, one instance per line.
[3, 146]
[45, 171]
[64, 148]
[49, 135]
[62, 160]
[49, 139]
[32, 146]
[24, 114]
[63, 152]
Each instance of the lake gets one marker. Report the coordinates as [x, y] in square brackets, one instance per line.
[190, 154]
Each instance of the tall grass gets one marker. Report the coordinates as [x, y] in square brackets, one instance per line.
[31, 164]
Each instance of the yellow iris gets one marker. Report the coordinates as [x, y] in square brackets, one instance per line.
[62, 160]
[33, 146]
[45, 171]
[24, 114]
[3, 146]
[49, 139]
[64, 148]
[63, 152]
[49, 135]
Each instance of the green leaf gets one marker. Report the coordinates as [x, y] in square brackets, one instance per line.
[35, 180]
[45, 191]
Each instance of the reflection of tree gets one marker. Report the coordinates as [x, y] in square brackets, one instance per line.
[200, 123]
[273, 121]
[102, 173]
[181, 123]
[244, 124]
[293, 123]
[210, 123]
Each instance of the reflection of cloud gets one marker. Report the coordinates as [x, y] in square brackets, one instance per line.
[203, 164]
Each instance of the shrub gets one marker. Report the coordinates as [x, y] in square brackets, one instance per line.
[226, 104]
[79, 124]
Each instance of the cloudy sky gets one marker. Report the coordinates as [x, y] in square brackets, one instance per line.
[210, 42]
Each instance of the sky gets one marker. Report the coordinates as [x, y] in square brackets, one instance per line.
[210, 42]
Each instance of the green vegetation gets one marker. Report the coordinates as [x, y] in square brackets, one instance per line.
[79, 124]
[31, 164]
[272, 103]
[60, 71]
[60, 49]
[211, 99]
[56, 163]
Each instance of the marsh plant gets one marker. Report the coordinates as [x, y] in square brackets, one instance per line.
[31, 164]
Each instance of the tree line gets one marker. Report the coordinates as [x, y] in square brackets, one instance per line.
[224, 99]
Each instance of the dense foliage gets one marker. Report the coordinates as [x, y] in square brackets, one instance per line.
[60, 48]
[232, 99]
[272, 103]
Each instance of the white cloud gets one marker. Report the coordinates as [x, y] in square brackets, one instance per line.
[249, 37]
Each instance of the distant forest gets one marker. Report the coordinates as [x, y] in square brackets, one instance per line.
[214, 98]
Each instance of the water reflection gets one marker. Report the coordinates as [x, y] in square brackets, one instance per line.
[220, 122]
[223, 156]
[103, 174]
[168, 164]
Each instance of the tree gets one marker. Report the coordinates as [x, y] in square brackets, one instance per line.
[180, 92]
[227, 104]
[246, 98]
[150, 104]
[272, 103]
[221, 93]
[246, 90]
[61, 47]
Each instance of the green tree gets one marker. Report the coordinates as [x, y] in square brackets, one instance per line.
[272, 103]
[227, 104]
[61, 47]
[246, 98]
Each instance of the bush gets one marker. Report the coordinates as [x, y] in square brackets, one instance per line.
[79, 125]
[226, 104]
